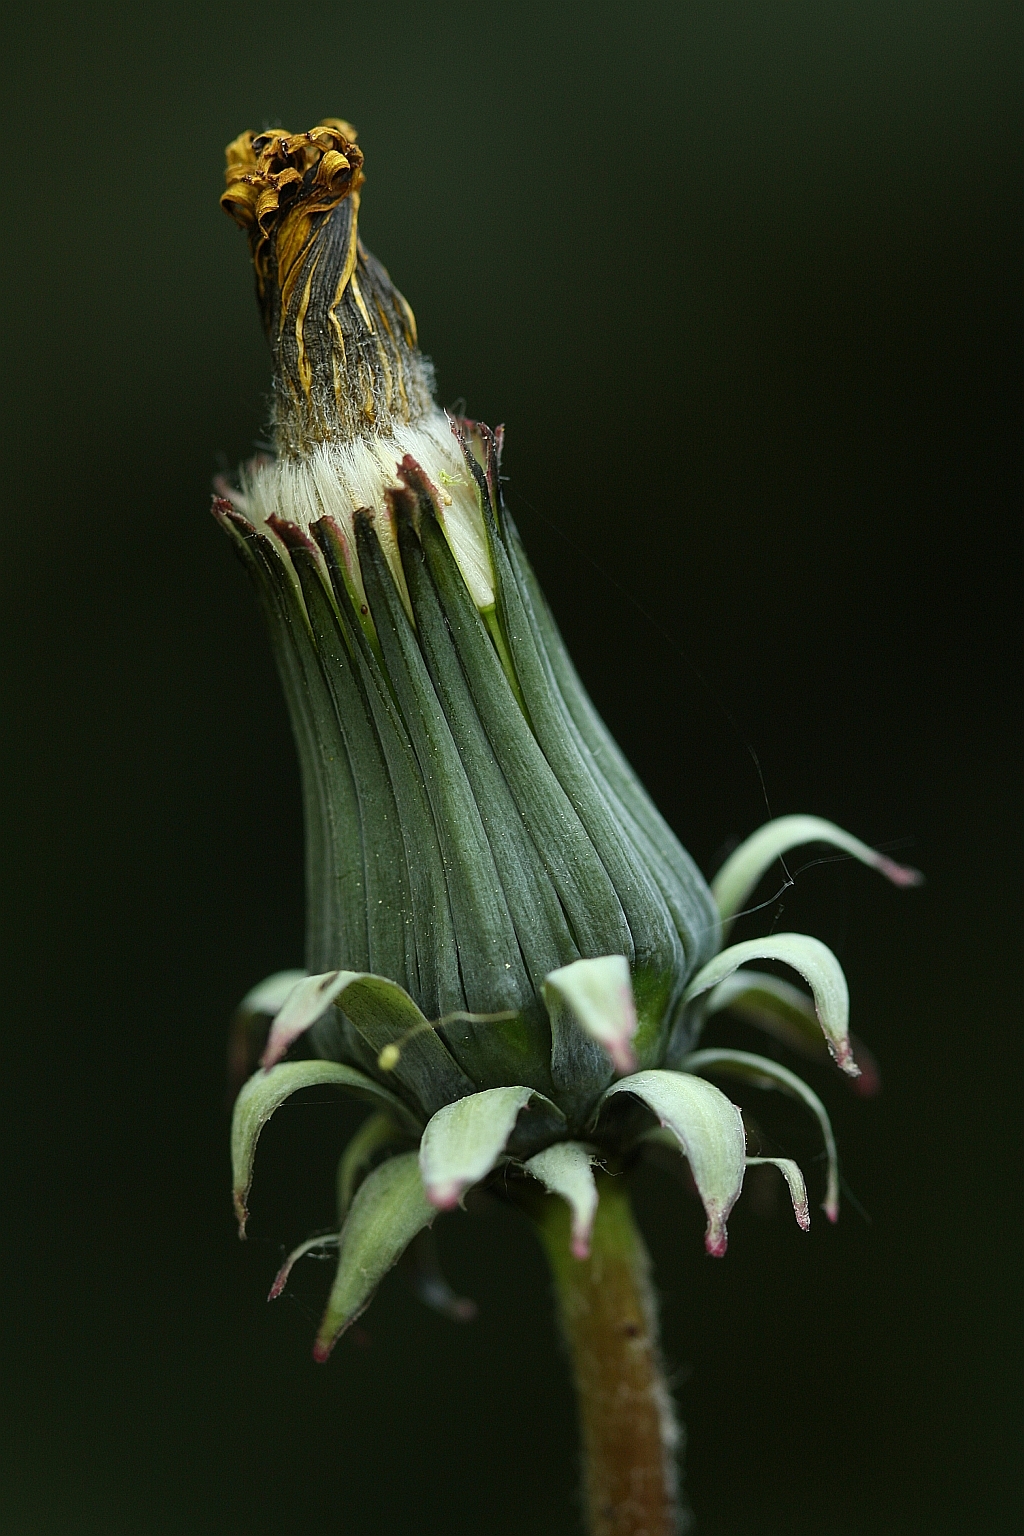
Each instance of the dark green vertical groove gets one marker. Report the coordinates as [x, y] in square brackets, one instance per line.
[693, 905]
[572, 865]
[540, 927]
[544, 934]
[581, 1068]
[655, 943]
[493, 974]
[440, 985]
[685, 890]
[392, 948]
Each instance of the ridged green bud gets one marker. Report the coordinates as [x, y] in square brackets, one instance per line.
[510, 956]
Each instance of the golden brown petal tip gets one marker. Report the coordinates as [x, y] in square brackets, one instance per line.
[343, 337]
[274, 174]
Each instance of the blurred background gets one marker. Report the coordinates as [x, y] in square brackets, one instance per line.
[742, 282]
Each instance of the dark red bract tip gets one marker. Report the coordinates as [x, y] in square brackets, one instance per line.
[291, 535]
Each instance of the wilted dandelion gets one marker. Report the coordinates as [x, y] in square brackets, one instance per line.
[510, 957]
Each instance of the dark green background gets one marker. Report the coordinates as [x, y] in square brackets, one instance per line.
[741, 279]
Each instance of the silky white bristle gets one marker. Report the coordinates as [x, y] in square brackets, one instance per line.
[337, 479]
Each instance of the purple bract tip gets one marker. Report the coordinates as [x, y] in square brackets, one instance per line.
[899, 874]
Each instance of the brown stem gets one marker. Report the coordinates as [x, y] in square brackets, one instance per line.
[609, 1317]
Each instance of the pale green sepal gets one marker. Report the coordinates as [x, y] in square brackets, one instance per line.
[779, 1009]
[249, 1023]
[266, 1091]
[378, 1131]
[271, 994]
[742, 870]
[599, 996]
[327, 1240]
[565, 1170]
[710, 1131]
[389, 1208]
[772, 1005]
[797, 1188]
[385, 1016]
[307, 1001]
[764, 1073]
[464, 1140]
[816, 964]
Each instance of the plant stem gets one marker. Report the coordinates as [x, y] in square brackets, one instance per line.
[609, 1316]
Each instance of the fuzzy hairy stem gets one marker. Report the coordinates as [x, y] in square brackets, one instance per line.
[609, 1318]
